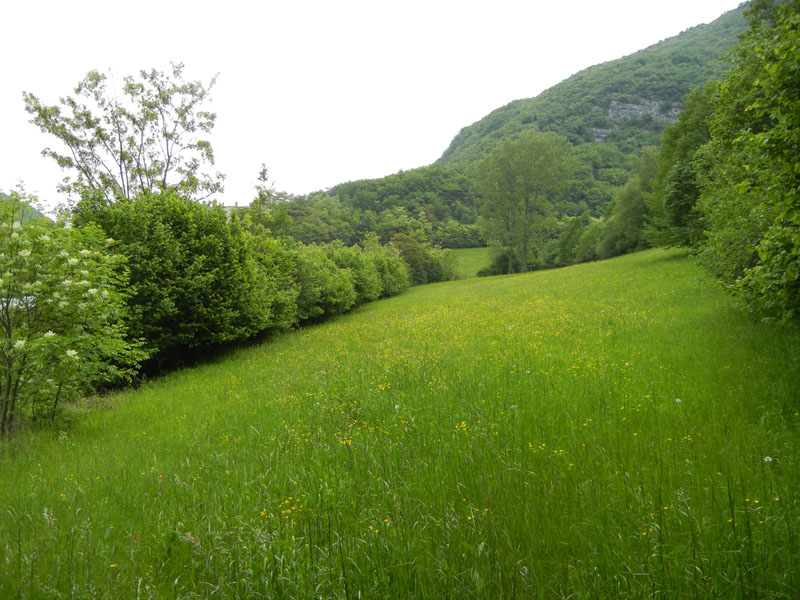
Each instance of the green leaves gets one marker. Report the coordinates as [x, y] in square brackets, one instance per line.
[62, 313]
[750, 198]
[517, 182]
[144, 140]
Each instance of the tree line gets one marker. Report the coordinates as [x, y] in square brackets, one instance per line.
[723, 184]
[139, 273]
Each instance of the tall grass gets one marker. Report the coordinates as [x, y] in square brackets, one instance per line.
[616, 429]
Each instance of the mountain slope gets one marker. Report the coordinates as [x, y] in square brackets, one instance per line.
[627, 102]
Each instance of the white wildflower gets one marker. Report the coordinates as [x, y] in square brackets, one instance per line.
[92, 291]
[49, 334]
[16, 225]
[678, 400]
[63, 254]
[45, 238]
[83, 282]
[768, 459]
[72, 261]
[72, 354]
[85, 252]
[19, 344]
[25, 252]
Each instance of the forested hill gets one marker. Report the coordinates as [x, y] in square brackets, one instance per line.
[626, 102]
[608, 112]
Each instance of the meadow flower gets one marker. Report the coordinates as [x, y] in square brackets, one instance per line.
[72, 261]
[678, 400]
[767, 459]
[72, 354]
[49, 334]
[19, 344]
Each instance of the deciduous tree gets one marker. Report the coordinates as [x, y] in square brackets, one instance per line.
[144, 139]
[517, 182]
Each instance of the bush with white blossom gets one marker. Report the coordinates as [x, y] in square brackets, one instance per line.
[62, 313]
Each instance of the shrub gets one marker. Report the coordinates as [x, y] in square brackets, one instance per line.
[366, 280]
[323, 288]
[391, 268]
[62, 312]
[194, 279]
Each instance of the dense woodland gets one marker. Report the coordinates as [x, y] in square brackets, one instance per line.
[663, 147]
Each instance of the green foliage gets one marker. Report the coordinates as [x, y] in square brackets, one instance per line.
[366, 279]
[750, 197]
[277, 264]
[62, 313]
[674, 218]
[623, 104]
[194, 280]
[321, 218]
[390, 266]
[415, 257]
[425, 264]
[142, 142]
[517, 182]
[589, 242]
[567, 243]
[323, 288]
[623, 229]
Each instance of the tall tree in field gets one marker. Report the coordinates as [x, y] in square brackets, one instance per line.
[517, 182]
[148, 139]
[499, 190]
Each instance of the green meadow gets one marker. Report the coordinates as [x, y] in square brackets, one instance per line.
[470, 261]
[610, 430]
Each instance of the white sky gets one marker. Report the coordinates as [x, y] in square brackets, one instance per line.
[322, 92]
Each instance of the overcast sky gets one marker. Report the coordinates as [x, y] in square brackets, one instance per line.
[321, 92]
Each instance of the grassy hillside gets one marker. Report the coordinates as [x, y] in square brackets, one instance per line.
[613, 429]
[625, 103]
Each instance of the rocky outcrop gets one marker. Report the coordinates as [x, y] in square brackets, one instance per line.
[644, 108]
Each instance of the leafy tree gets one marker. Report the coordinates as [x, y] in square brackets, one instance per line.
[673, 215]
[415, 257]
[587, 248]
[750, 196]
[623, 229]
[518, 181]
[569, 238]
[142, 142]
[62, 313]
[269, 210]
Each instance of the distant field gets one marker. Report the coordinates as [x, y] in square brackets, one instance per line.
[471, 260]
[609, 430]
